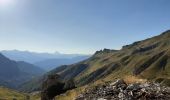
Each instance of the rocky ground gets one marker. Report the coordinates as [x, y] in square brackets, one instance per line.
[119, 90]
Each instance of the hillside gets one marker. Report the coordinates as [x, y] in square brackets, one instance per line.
[35, 84]
[30, 68]
[143, 60]
[13, 74]
[147, 59]
[8, 94]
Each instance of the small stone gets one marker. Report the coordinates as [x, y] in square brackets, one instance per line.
[131, 93]
[118, 82]
[121, 95]
[133, 87]
[144, 85]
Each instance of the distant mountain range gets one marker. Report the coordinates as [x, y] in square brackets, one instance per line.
[50, 64]
[46, 61]
[147, 59]
[33, 57]
[14, 73]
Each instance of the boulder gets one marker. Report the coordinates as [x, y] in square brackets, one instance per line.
[54, 86]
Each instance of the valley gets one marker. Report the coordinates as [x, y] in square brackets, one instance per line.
[84, 50]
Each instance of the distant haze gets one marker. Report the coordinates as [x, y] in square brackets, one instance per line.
[33, 57]
[46, 61]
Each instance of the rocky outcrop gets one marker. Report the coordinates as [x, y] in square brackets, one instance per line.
[105, 51]
[54, 86]
[119, 90]
[131, 45]
[144, 49]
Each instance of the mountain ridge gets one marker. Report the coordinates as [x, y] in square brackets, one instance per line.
[145, 60]
[33, 57]
[46, 61]
[14, 73]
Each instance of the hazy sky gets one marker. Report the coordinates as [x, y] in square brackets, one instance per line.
[79, 26]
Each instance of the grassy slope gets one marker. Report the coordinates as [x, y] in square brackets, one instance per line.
[151, 63]
[128, 62]
[9, 94]
[35, 97]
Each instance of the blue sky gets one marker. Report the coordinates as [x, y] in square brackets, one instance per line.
[80, 26]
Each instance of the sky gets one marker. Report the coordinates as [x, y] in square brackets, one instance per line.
[79, 26]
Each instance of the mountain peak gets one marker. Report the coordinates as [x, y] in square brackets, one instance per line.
[57, 53]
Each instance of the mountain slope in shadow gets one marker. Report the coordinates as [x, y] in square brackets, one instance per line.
[13, 73]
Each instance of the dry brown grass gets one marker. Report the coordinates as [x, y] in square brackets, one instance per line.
[8, 94]
[72, 94]
[134, 79]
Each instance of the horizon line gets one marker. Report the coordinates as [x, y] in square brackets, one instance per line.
[47, 52]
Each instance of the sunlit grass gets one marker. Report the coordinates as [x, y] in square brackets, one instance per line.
[8, 94]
